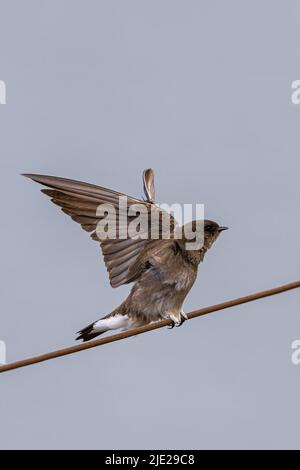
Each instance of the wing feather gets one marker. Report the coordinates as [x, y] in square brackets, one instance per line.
[80, 201]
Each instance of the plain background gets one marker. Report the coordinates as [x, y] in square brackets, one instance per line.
[200, 91]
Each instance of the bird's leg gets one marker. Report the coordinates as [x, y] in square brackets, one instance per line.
[184, 315]
[172, 324]
[183, 318]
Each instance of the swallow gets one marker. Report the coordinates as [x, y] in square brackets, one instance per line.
[162, 270]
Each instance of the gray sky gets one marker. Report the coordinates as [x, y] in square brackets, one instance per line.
[201, 92]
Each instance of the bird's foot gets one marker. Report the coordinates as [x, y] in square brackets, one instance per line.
[182, 320]
[184, 315]
[177, 320]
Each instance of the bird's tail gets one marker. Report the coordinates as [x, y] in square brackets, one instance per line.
[88, 333]
[113, 321]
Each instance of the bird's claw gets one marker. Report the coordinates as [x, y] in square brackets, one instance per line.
[173, 323]
[182, 320]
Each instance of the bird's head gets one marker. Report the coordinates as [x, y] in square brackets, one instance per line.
[199, 234]
[211, 232]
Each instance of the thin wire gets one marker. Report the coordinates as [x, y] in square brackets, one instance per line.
[149, 327]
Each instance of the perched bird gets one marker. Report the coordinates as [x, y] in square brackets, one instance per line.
[162, 270]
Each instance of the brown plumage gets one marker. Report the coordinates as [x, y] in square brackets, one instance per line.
[163, 270]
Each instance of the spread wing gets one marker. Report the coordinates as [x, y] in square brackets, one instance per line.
[81, 202]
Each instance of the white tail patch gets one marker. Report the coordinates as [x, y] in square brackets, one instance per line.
[114, 322]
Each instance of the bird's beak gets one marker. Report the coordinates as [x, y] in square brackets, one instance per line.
[220, 229]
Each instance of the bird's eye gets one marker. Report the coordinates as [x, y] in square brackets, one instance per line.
[208, 228]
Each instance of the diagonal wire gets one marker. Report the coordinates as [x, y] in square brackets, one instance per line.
[149, 327]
